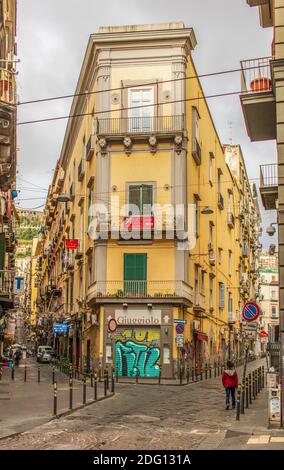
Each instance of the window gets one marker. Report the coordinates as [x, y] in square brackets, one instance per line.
[230, 303]
[141, 118]
[196, 148]
[81, 229]
[211, 168]
[90, 206]
[142, 197]
[90, 270]
[135, 274]
[273, 295]
[202, 282]
[221, 295]
[211, 292]
[196, 216]
[196, 286]
[211, 237]
[230, 263]
[273, 311]
[219, 180]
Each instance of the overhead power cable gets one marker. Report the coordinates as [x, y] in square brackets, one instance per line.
[87, 93]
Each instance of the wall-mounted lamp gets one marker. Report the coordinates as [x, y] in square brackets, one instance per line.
[150, 306]
[125, 305]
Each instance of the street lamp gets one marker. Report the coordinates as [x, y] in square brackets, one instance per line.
[271, 230]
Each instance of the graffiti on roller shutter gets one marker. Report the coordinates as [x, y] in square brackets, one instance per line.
[137, 352]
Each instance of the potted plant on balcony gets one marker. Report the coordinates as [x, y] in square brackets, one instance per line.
[260, 83]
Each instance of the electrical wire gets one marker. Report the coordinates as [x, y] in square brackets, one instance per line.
[95, 113]
[87, 93]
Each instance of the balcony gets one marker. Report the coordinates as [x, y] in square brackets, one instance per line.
[130, 291]
[269, 185]
[7, 279]
[7, 87]
[199, 303]
[257, 99]
[231, 220]
[220, 201]
[81, 170]
[140, 126]
[90, 149]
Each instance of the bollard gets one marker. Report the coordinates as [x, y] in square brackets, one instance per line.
[92, 379]
[187, 375]
[250, 390]
[192, 373]
[238, 403]
[55, 399]
[253, 385]
[96, 387]
[84, 390]
[25, 373]
[263, 377]
[13, 372]
[256, 381]
[1, 373]
[206, 371]
[116, 374]
[210, 371]
[247, 392]
[105, 386]
[215, 370]
[160, 373]
[196, 374]
[38, 375]
[70, 392]
[136, 376]
[107, 378]
[218, 369]
[53, 375]
[180, 376]
[201, 374]
[113, 381]
[260, 378]
[242, 398]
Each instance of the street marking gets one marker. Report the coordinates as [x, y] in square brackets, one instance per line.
[259, 440]
[277, 439]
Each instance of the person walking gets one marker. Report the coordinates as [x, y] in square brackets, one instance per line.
[230, 381]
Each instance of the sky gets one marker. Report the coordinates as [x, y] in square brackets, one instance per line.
[52, 37]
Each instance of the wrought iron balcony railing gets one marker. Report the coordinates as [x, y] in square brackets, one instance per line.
[7, 86]
[141, 125]
[142, 289]
[7, 279]
[268, 175]
[256, 75]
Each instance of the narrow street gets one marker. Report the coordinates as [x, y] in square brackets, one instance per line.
[151, 417]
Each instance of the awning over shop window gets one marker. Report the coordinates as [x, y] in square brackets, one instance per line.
[201, 337]
[263, 334]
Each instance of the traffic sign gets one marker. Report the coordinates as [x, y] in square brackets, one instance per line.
[176, 320]
[180, 341]
[251, 311]
[180, 328]
[112, 325]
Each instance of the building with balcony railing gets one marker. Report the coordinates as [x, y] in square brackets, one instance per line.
[269, 185]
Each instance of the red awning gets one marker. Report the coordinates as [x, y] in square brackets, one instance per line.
[263, 334]
[202, 337]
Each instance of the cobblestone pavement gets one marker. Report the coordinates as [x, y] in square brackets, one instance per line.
[140, 417]
[24, 405]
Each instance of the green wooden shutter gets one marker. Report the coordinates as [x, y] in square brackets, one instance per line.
[135, 274]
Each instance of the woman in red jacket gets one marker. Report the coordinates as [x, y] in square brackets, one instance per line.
[230, 381]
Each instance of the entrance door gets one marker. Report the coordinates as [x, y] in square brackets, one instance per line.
[141, 116]
[135, 274]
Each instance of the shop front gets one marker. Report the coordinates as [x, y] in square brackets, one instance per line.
[143, 343]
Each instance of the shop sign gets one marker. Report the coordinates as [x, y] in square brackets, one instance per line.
[274, 405]
[71, 244]
[145, 317]
[60, 328]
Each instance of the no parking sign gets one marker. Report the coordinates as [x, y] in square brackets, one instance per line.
[251, 312]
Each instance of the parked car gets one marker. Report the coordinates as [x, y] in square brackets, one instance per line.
[44, 357]
[42, 350]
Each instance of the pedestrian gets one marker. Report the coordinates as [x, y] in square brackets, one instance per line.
[230, 381]
[17, 356]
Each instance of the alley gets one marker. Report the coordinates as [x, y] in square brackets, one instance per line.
[144, 417]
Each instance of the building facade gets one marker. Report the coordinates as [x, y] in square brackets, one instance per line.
[269, 299]
[149, 220]
[8, 160]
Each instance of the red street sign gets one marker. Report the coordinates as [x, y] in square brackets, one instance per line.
[71, 244]
[112, 325]
[251, 312]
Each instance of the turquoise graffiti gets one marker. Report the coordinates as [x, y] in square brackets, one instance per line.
[137, 356]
